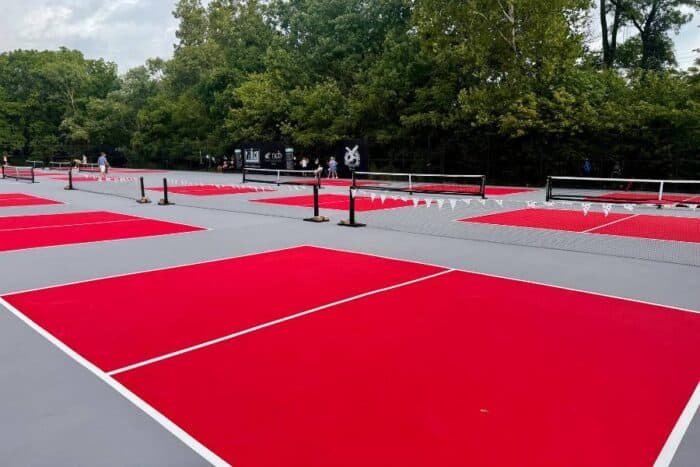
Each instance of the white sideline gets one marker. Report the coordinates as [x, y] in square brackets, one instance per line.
[674, 439]
[71, 225]
[272, 323]
[178, 432]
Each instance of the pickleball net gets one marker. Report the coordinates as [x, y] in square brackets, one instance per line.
[281, 177]
[624, 190]
[25, 173]
[436, 184]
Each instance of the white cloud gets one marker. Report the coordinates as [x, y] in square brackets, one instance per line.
[129, 32]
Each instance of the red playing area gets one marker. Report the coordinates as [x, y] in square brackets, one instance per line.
[100, 337]
[20, 199]
[22, 232]
[207, 190]
[339, 202]
[652, 198]
[452, 369]
[683, 229]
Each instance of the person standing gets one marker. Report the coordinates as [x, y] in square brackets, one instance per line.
[103, 163]
[332, 168]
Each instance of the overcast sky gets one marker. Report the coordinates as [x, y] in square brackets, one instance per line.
[130, 31]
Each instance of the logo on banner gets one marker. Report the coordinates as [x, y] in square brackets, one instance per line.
[352, 157]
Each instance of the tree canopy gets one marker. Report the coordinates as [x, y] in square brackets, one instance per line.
[516, 89]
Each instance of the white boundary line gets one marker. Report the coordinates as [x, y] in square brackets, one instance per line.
[70, 225]
[125, 239]
[466, 220]
[273, 323]
[668, 452]
[592, 229]
[145, 271]
[166, 423]
[600, 294]
[184, 265]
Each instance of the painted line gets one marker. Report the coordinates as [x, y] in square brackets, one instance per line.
[125, 239]
[526, 281]
[60, 226]
[162, 268]
[166, 423]
[259, 327]
[465, 220]
[668, 452]
[611, 223]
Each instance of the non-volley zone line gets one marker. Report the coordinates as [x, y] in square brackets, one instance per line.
[34, 231]
[402, 349]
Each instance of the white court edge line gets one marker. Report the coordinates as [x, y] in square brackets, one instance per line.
[592, 229]
[146, 271]
[69, 225]
[166, 423]
[669, 449]
[125, 239]
[273, 323]
[526, 281]
[184, 265]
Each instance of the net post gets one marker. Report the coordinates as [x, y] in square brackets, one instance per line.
[317, 216]
[70, 180]
[351, 220]
[31, 171]
[483, 187]
[243, 172]
[143, 199]
[548, 190]
[164, 201]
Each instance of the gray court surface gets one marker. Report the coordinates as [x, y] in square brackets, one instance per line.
[54, 412]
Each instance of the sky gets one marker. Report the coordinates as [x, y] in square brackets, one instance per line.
[128, 32]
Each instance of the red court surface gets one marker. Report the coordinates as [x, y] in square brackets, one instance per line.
[427, 367]
[645, 198]
[22, 232]
[206, 190]
[681, 229]
[20, 199]
[339, 202]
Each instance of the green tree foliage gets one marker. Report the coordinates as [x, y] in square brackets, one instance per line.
[505, 87]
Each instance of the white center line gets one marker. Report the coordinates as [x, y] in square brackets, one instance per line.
[69, 225]
[610, 223]
[272, 323]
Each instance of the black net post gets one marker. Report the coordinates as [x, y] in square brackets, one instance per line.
[548, 190]
[31, 171]
[143, 199]
[70, 180]
[483, 187]
[317, 216]
[351, 219]
[164, 201]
